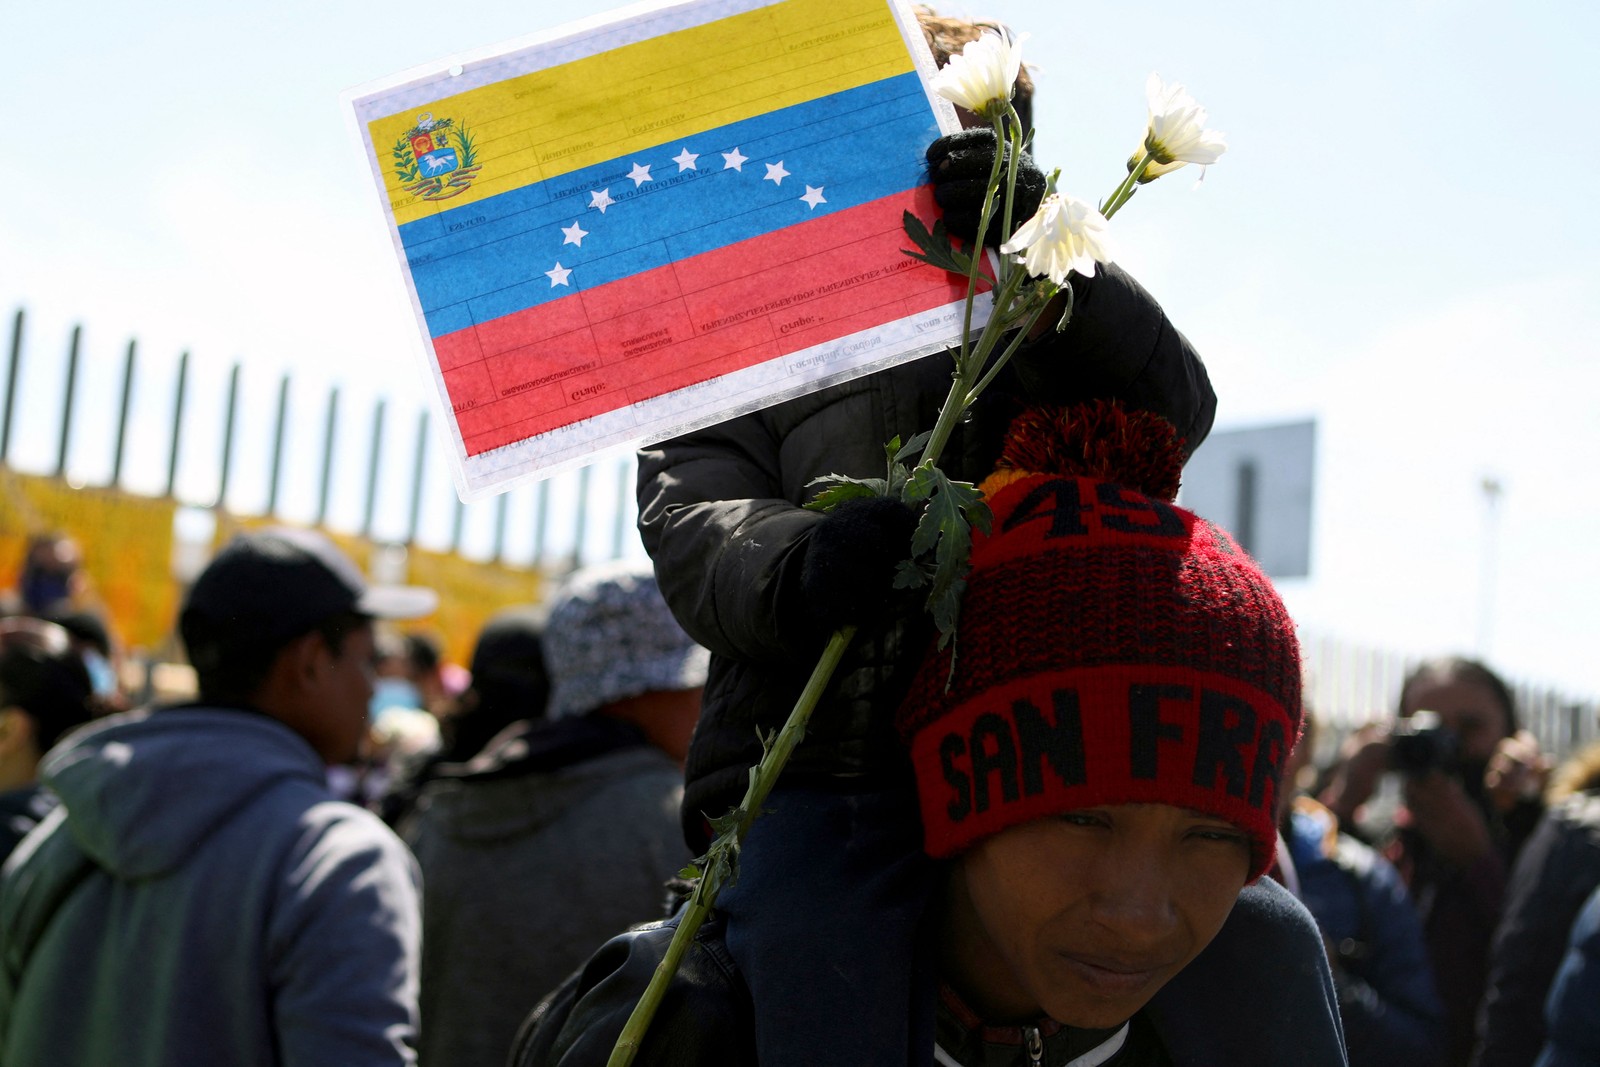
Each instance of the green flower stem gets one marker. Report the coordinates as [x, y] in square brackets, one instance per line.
[1014, 140]
[977, 254]
[1019, 336]
[1124, 192]
[724, 851]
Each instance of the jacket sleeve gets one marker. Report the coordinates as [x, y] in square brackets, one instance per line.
[726, 542]
[1391, 1009]
[705, 1016]
[344, 946]
[1574, 1025]
[1119, 344]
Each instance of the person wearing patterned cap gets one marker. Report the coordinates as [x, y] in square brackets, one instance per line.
[1097, 773]
[563, 831]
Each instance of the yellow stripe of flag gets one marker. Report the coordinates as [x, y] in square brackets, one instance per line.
[538, 126]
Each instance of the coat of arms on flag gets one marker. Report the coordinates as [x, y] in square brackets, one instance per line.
[688, 211]
[435, 159]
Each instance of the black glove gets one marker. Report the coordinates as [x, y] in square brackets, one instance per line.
[848, 572]
[959, 167]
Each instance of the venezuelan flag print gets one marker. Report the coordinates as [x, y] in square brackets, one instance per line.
[594, 229]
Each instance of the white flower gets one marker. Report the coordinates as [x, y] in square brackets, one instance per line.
[1065, 234]
[981, 76]
[1177, 132]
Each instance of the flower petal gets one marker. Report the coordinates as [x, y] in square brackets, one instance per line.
[982, 75]
[1066, 234]
[1176, 131]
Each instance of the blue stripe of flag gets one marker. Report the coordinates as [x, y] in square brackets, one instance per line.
[487, 259]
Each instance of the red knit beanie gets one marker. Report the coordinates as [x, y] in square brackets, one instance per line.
[1112, 648]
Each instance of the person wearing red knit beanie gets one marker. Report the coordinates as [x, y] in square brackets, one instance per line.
[1096, 757]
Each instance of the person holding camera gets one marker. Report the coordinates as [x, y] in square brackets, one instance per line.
[1471, 785]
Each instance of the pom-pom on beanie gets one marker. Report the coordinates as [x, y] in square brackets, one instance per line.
[1113, 648]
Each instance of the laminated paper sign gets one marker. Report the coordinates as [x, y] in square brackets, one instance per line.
[646, 223]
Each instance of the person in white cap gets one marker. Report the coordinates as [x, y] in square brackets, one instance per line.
[199, 897]
[563, 831]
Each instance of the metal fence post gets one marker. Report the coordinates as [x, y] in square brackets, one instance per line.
[122, 416]
[372, 469]
[177, 422]
[11, 385]
[327, 455]
[66, 404]
[228, 426]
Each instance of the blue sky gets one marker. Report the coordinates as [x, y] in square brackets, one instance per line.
[1402, 242]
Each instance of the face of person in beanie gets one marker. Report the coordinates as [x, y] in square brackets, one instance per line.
[1100, 765]
[1083, 916]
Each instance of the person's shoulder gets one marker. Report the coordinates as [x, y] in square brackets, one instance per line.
[1269, 954]
[1269, 916]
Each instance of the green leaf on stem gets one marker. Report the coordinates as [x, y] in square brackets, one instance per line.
[908, 575]
[900, 453]
[936, 246]
[952, 509]
[841, 489]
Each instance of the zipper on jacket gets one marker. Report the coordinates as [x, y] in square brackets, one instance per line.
[1035, 1047]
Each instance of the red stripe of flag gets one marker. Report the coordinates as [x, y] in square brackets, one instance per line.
[678, 325]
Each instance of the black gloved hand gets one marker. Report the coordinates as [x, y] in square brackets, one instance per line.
[848, 572]
[959, 167]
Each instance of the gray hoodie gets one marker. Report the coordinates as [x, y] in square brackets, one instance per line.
[200, 898]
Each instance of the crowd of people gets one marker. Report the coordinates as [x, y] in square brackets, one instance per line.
[1091, 832]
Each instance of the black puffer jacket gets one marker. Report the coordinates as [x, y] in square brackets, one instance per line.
[720, 513]
[1260, 995]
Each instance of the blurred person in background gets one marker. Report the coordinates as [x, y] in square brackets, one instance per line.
[563, 831]
[509, 684]
[1554, 874]
[1471, 785]
[198, 897]
[1388, 1005]
[91, 639]
[52, 577]
[413, 673]
[45, 691]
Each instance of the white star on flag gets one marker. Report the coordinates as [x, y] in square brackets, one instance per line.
[601, 200]
[575, 234]
[734, 161]
[558, 276]
[814, 196]
[685, 160]
[776, 173]
[640, 174]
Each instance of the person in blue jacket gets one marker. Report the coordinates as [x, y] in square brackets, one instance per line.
[1572, 1012]
[1388, 1002]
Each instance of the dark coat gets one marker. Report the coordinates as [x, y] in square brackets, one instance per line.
[1572, 1022]
[720, 514]
[1260, 995]
[1553, 876]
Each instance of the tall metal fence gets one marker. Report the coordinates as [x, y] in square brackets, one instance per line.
[239, 447]
[1349, 685]
[374, 470]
